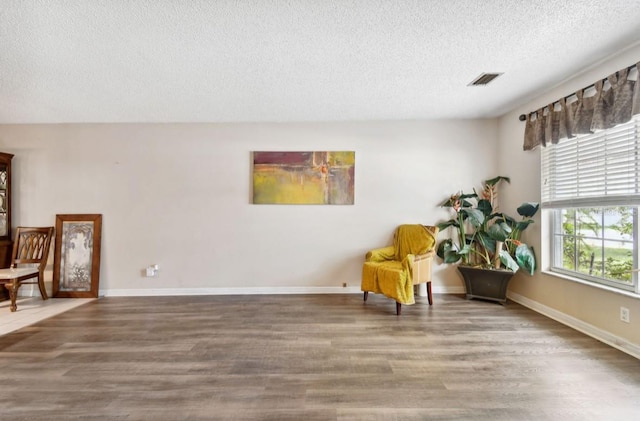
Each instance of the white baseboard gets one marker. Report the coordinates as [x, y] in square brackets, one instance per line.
[586, 328]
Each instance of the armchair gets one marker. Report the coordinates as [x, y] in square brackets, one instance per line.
[394, 270]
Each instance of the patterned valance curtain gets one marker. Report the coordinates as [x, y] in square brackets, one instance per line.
[616, 100]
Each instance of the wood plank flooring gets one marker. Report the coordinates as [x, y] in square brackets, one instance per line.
[310, 357]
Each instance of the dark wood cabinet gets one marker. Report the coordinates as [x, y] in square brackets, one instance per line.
[6, 245]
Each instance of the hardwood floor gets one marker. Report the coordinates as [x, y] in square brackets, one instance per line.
[310, 357]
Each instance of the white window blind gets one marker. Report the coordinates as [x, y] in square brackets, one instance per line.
[597, 169]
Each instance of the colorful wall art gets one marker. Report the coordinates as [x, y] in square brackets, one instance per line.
[304, 178]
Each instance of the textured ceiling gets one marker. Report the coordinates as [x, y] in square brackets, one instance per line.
[295, 60]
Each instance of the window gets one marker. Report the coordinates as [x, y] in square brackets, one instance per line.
[591, 190]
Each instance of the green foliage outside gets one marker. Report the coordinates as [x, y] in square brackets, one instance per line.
[609, 259]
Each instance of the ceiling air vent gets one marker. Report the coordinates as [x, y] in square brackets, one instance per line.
[484, 79]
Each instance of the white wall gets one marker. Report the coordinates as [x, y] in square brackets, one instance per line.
[585, 307]
[179, 195]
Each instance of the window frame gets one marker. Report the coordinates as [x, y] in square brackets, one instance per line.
[553, 208]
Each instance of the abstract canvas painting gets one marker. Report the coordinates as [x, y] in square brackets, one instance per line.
[305, 178]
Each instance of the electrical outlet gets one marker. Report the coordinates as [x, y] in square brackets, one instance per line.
[152, 271]
[625, 315]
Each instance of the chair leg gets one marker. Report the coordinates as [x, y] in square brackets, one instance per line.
[429, 293]
[12, 287]
[43, 290]
[366, 295]
[398, 308]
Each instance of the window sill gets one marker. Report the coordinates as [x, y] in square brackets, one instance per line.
[607, 288]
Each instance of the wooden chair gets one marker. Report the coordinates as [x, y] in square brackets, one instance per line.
[28, 260]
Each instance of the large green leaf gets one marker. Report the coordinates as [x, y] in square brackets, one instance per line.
[449, 252]
[475, 216]
[486, 241]
[508, 262]
[522, 225]
[528, 209]
[485, 207]
[443, 246]
[496, 180]
[505, 218]
[452, 256]
[468, 195]
[450, 223]
[526, 258]
[499, 231]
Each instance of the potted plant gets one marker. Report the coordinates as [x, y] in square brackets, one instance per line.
[487, 243]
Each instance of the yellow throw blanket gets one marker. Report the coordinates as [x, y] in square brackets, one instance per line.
[412, 239]
[389, 271]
